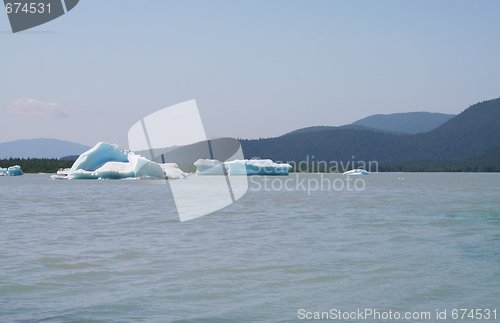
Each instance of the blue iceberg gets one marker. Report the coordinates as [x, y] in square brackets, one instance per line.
[107, 161]
[241, 167]
[99, 155]
[257, 167]
[11, 171]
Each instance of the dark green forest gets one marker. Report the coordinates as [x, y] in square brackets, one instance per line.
[37, 165]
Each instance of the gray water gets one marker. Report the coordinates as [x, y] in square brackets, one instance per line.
[116, 251]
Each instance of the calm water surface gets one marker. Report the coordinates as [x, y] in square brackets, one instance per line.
[116, 251]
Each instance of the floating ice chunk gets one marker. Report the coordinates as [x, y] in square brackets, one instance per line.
[63, 171]
[144, 168]
[241, 167]
[256, 167]
[357, 171]
[11, 171]
[15, 171]
[107, 161]
[209, 167]
[99, 155]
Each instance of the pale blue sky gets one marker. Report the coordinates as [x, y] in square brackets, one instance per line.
[256, 68]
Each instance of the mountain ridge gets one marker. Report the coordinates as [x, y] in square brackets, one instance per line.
[40, 148]
[405, 122]
[468, 135]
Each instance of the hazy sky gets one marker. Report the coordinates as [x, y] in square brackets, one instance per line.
[256, 68]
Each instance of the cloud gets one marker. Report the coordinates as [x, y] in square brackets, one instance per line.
[32, 107]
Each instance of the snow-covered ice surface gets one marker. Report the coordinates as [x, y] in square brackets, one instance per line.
[107, 161]
[11, 171]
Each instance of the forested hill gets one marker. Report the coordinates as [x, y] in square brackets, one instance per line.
[474, 132]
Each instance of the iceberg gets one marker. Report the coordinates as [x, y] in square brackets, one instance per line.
[11, 171]
[97, 156]
[256, 167]
[63, 171]
[241, 167]
[357, 171]
[107, 161]
[15, 171]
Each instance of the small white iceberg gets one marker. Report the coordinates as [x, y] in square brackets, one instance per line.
[63, 171]
[241, 167]
[107, 161]
[357, 171]
[11, 171]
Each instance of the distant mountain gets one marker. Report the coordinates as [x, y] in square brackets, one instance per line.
[40, 148]
[348, 126]
[469, 135]
[313, 129]
[410, 122]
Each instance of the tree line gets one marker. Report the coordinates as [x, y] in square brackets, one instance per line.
[37, 165]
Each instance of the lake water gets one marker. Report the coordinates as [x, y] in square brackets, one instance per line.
[116, 251]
